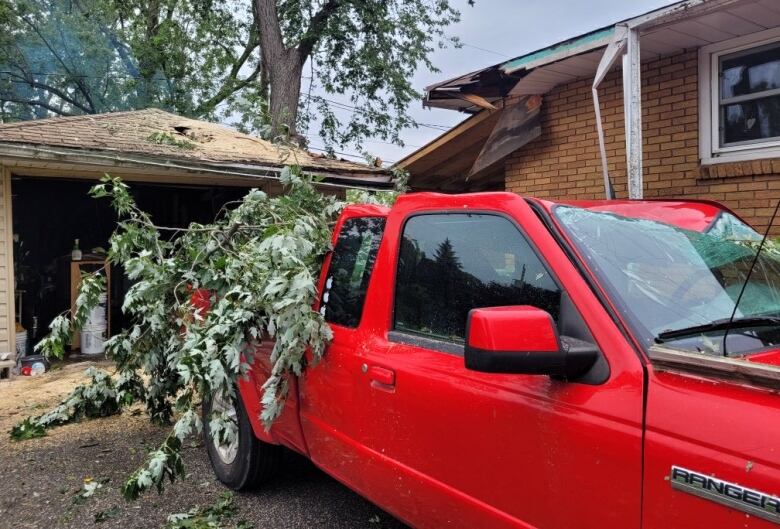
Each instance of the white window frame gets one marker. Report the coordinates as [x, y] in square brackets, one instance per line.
[710, 151]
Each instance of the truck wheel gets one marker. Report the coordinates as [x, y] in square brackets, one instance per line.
[247, 461]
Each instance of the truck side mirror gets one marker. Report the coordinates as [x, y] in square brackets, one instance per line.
[521, 339]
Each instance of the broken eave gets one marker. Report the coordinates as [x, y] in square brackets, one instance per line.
[471, 92]
[40, 160]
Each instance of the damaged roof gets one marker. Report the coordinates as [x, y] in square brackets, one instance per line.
[496, 82]
[164, 135]
[686, 24]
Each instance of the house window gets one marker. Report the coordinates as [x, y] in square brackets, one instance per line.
[740, 98]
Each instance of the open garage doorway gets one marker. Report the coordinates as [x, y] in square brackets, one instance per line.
[51, 214]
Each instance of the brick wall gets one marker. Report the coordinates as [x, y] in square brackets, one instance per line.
[564, 161]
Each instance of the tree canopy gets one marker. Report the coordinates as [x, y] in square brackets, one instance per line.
[197, 57]
[239, 61]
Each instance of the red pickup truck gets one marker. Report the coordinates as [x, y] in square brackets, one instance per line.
[499, 361]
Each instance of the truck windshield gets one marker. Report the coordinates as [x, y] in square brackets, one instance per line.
[665, 278]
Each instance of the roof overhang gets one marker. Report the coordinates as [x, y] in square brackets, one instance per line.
[38, 160]
[470, 156]
[682, 26]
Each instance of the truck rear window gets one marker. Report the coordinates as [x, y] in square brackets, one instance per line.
[350, 270]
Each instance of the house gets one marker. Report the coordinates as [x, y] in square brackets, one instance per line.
[683, 101]
[180, 170]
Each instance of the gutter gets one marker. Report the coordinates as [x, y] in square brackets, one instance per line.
[575, 46]
[37, 154]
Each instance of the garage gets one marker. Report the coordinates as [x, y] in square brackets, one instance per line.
[179, 170]
[60, 231]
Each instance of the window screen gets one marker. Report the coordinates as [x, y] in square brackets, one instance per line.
[451, 263]
[350, 270]
[750, 95]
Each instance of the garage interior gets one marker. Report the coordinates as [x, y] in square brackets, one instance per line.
[51, 214]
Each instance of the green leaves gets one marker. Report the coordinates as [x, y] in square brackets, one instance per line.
[162, 463]
[27, 429]
[106, 55]
[208, 518]
[99, 398]
[200, 304]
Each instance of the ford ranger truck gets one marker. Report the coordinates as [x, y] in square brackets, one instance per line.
[501, 362]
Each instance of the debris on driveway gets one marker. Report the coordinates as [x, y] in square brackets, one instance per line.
[43, 476]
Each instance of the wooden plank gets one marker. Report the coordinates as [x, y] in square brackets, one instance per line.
[9, 322]
[732, 369]
[476, 100]
[450, 171]
[517, 125]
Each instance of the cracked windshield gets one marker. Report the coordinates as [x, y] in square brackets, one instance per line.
[680, 286]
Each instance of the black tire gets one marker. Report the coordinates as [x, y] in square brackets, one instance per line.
[255, 462]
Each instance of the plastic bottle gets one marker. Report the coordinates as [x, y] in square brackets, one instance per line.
[76, 253]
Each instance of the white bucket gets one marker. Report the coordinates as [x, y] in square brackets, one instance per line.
[97, 316]
[21, 343]
[92, 339]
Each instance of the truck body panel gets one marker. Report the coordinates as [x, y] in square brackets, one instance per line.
[396, 416]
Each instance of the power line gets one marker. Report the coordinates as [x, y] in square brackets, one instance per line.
[351, 155]
[374, 141]
[485, 50]
[338, 104]
[104, 77]
[354, 109]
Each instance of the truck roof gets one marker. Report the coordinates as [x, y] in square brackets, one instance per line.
[696, 215]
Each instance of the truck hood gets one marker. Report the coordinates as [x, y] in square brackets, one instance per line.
[771, 357]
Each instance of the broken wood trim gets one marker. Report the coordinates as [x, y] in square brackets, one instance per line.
[445, 138]
[476, 100]
[8, 245]
[518, 125]
[730, 369]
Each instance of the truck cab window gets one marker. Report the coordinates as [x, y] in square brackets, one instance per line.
[350, 270]
[451, 263]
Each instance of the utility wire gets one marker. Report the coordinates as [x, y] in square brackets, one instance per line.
[485, 50]
[354, 110]
[315, 136]
[338, 104]
[352, 155]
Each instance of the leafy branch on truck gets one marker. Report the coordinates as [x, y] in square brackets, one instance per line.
[257, 264]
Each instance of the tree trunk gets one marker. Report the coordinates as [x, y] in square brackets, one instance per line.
[284, 66]
[285, 87]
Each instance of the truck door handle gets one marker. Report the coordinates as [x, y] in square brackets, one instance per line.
[381, 375]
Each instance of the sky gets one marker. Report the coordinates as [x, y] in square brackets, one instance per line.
[492, 32]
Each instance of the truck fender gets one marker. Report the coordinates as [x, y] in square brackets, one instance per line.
[250, 396]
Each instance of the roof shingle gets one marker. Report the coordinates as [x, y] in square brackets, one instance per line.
[150, 131]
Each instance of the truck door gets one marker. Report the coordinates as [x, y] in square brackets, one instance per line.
[456, 448]
[331, 410]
